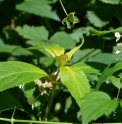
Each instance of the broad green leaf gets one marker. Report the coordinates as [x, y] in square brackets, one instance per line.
[33, 33]
[111, 1]
[63, 39]
[96, 32]
[95, 20]
[76, 82]
[109, 70]
[71, 52]
[8, 101]
[116, 82]
[95, 105]
[40, 8]
[13, 73]
[85, 68]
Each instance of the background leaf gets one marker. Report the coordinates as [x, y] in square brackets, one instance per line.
[33, 33]
[109, 70]
[63, 39]
[95, 32]
[8, 101]
[96, 104]
[116, 82]
[76, 82]
[111, 1]
[95, 20]
[41, 8]
[17, 73]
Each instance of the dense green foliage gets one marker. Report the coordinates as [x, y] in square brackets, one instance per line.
[59, 61]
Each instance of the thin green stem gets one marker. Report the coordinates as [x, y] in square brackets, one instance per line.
[30, 121]
[118, 94]
[63, 8]
[13, 112]
[49, 105]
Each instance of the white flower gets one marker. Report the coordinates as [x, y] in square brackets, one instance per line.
[119, 48]
[117, 35]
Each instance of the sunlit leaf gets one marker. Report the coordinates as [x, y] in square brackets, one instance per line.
[14, 73]
[71, 52]
[54, 49]
[96, 104]
[76, 82]
[85, 68]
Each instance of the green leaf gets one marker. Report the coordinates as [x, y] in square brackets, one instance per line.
[95, 20]
[17, 73]
[109, 70]
[121, 103]
[54, 49]
[96, 104]
[71, 52]
[7, 48]
[116, 82]
[105, 58]
[28, 89]
[33, 33]
[21, 52]
[67, 22]
[8, 101]
[96, 32]
[111, 1]
[40, 8]
[76, 82]
[84, 67]
[79, 33]
[73, 18]
[70, 20]
[63, 39]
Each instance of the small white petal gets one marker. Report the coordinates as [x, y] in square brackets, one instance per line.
[118, 51]
[21, 86]
[117, 39]
[117, 34]
[32, 106]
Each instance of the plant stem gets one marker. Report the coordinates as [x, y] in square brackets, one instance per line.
[118, 94]
[49, 105]
[30, 121]
[63, 7]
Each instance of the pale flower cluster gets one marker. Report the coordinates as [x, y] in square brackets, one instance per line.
[119, 45]
[43, 86]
